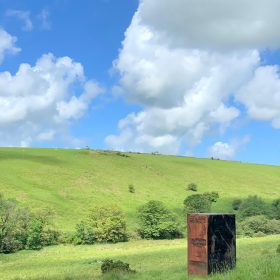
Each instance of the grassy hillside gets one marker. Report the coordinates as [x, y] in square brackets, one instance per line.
[72, 181]
[153, 260]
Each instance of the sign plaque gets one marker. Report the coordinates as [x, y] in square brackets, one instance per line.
[211, 243]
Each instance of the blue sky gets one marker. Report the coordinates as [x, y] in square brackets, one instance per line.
[176, 82]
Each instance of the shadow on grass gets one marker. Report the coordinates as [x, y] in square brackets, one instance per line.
[24, 155]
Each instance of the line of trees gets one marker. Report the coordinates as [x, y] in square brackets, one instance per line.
[22, 229]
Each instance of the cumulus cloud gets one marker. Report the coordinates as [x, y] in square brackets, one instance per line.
[223, 150]
[184, 62]
[23, 16]
[261, 95]
[215, 24]
[7, 44]
[41, 100]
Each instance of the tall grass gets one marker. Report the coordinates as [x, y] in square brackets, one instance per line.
[155, 260]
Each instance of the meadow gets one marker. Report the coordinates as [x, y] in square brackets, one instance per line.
[155, 260]
[70, 182]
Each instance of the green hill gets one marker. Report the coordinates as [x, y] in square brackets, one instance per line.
[72, 181]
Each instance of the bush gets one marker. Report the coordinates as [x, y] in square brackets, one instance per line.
[254, 206]
[20, 229]
[278, 249]
[34, 239]
[84, 234]
[192, 187]
[276, 208]
[110, 266]
[236, 203]
[200, 203]
[157, 222]
[257, 225]
[131, 189]
[14, 222]
[212, 196]
[104, 224]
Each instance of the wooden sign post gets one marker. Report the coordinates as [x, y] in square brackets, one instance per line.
[211, 243]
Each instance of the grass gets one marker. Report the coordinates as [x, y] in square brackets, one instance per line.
[155, 260]
[71, 181]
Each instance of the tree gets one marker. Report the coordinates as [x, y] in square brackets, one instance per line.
[212, 196]
[254, 206]
[13, 226]
[199, 203]
[19, 228]
[157, 222]
[103, 224]
[259, 224]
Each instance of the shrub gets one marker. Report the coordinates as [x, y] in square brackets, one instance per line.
[236, 203]
[192, 187]
[200, 203]
[131, 188]
[278, 249]
[34, 239]
[254, 206]
[259, 224]
[13, 224]
[157, 222]
[104, 224]
[21, 229]
[110, 266]
[84, 234]
[212, 196]
[276, 208]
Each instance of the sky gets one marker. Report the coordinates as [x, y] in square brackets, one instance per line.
[182, 77]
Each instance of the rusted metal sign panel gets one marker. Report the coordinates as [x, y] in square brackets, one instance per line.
[211, 243]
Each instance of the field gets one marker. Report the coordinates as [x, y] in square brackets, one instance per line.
[153, 260]
[72, 181]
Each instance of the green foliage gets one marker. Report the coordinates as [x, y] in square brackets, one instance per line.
[236, 203]
[258, 224]
[34, 239]
[111, 266]
[131, 188]
[276, 208]
[253, 206]
[74, 173]
[212, 196]
[21, 229]
[13, 224]
[84, 234]
[192, 187]
[200, 203]
[104, 224]
[278, 249]
[157, 222]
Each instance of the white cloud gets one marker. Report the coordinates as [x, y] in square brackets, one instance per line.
[215, 24]
[44, 17]
[224, 150]
[24, 16]
[261, 95]
[40, 101]
[184, 61]
[7, 44]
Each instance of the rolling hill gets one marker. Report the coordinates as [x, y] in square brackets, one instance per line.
[72, 181]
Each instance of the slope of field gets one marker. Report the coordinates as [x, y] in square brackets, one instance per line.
[72, 181]
[153, 260]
